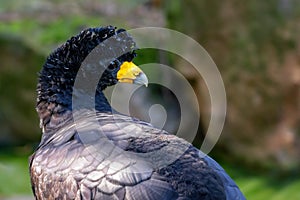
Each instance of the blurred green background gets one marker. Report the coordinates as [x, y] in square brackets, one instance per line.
[255, 44]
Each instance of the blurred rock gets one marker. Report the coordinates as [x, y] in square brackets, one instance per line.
[256, 48]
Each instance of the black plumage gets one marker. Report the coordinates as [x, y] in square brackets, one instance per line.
[127, 158]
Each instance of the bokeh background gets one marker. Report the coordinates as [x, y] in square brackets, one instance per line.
[255, 44]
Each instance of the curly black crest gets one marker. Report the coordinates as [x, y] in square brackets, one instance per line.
[58, 74]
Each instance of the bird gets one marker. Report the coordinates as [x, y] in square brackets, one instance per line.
[103, 154]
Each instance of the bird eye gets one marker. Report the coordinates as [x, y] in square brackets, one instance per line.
[113, 65]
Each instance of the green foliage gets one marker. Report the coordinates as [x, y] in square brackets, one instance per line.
[19, 66]
[42, 36]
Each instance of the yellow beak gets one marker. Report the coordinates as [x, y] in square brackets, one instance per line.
[130, 73]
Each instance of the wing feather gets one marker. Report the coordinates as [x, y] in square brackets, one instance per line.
[148, 164]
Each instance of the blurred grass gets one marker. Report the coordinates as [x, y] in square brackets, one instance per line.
[265, 185]
[14, 180]
[14, 174]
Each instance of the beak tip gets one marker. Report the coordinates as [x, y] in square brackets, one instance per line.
[141, 79]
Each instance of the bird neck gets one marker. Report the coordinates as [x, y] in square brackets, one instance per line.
[101, 103]
[56, 91]
[54, 115]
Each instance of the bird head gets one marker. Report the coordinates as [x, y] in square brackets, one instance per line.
[57, 77]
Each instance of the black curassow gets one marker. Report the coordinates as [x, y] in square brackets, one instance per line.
[113, 156]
